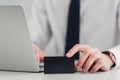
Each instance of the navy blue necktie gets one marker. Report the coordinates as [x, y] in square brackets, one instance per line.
[72, 35]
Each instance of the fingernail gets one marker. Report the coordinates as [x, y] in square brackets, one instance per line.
[68, 54]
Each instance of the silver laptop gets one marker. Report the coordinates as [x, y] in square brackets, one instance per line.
[16, 49]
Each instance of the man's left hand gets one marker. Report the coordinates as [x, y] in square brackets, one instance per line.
[91, 59]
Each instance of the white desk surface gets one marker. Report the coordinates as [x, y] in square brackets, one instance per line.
[109, 75]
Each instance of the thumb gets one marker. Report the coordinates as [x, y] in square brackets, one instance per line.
[39, 54]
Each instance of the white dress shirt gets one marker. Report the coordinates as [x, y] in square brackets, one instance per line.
[100, 25]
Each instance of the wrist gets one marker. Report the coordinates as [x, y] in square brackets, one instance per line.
[111, 57]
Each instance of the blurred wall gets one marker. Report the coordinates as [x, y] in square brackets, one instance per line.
[25, 3]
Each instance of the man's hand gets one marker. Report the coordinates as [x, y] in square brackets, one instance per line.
[39, 53]
[91, 59]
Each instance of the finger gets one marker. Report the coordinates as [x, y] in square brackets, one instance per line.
[37, 53]
[97, 66]
[89, 63]
[76, 48]
[82, 60]
[77, 68]
[41, 55]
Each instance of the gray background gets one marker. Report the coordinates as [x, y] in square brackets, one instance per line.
[25, 3]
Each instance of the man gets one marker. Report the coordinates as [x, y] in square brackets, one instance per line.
[99, 31]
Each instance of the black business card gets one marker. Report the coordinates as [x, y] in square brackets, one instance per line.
[54, 65]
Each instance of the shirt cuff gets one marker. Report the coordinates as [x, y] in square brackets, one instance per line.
[116, 53]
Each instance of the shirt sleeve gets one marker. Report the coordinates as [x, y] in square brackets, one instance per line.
[116, 50]
[38, 24]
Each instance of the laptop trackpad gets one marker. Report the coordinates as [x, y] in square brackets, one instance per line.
[58, 65]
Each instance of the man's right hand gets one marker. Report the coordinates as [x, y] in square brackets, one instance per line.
[39, 53]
